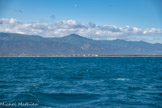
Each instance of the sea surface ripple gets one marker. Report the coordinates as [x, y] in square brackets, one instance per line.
[82, 82]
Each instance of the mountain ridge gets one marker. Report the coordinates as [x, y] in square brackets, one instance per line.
[12, 44]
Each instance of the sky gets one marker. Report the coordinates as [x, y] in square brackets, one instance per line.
[136, 20]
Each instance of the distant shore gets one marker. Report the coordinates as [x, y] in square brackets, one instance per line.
[87, 56]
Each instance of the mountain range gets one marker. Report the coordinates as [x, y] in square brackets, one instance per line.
[12, 44]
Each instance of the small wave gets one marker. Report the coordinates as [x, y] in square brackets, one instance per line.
[60, 98]
[2, 81]
[122, 79]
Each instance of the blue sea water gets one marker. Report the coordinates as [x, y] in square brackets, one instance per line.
[81, 82]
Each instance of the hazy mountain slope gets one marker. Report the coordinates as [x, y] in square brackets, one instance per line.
[12, 44]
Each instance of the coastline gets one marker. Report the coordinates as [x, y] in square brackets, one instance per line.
[88, 56]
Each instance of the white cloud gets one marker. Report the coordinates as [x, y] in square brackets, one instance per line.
[90, 30]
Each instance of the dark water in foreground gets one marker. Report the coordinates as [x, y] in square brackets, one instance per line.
[113, 82]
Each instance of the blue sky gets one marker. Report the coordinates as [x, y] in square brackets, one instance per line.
[97, 19]
[139, 13]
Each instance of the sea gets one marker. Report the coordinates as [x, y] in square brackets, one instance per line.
[81, 82]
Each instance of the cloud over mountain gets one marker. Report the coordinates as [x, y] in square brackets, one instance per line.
[90, 30]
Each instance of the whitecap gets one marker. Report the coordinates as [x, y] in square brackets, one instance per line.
[122, 79]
